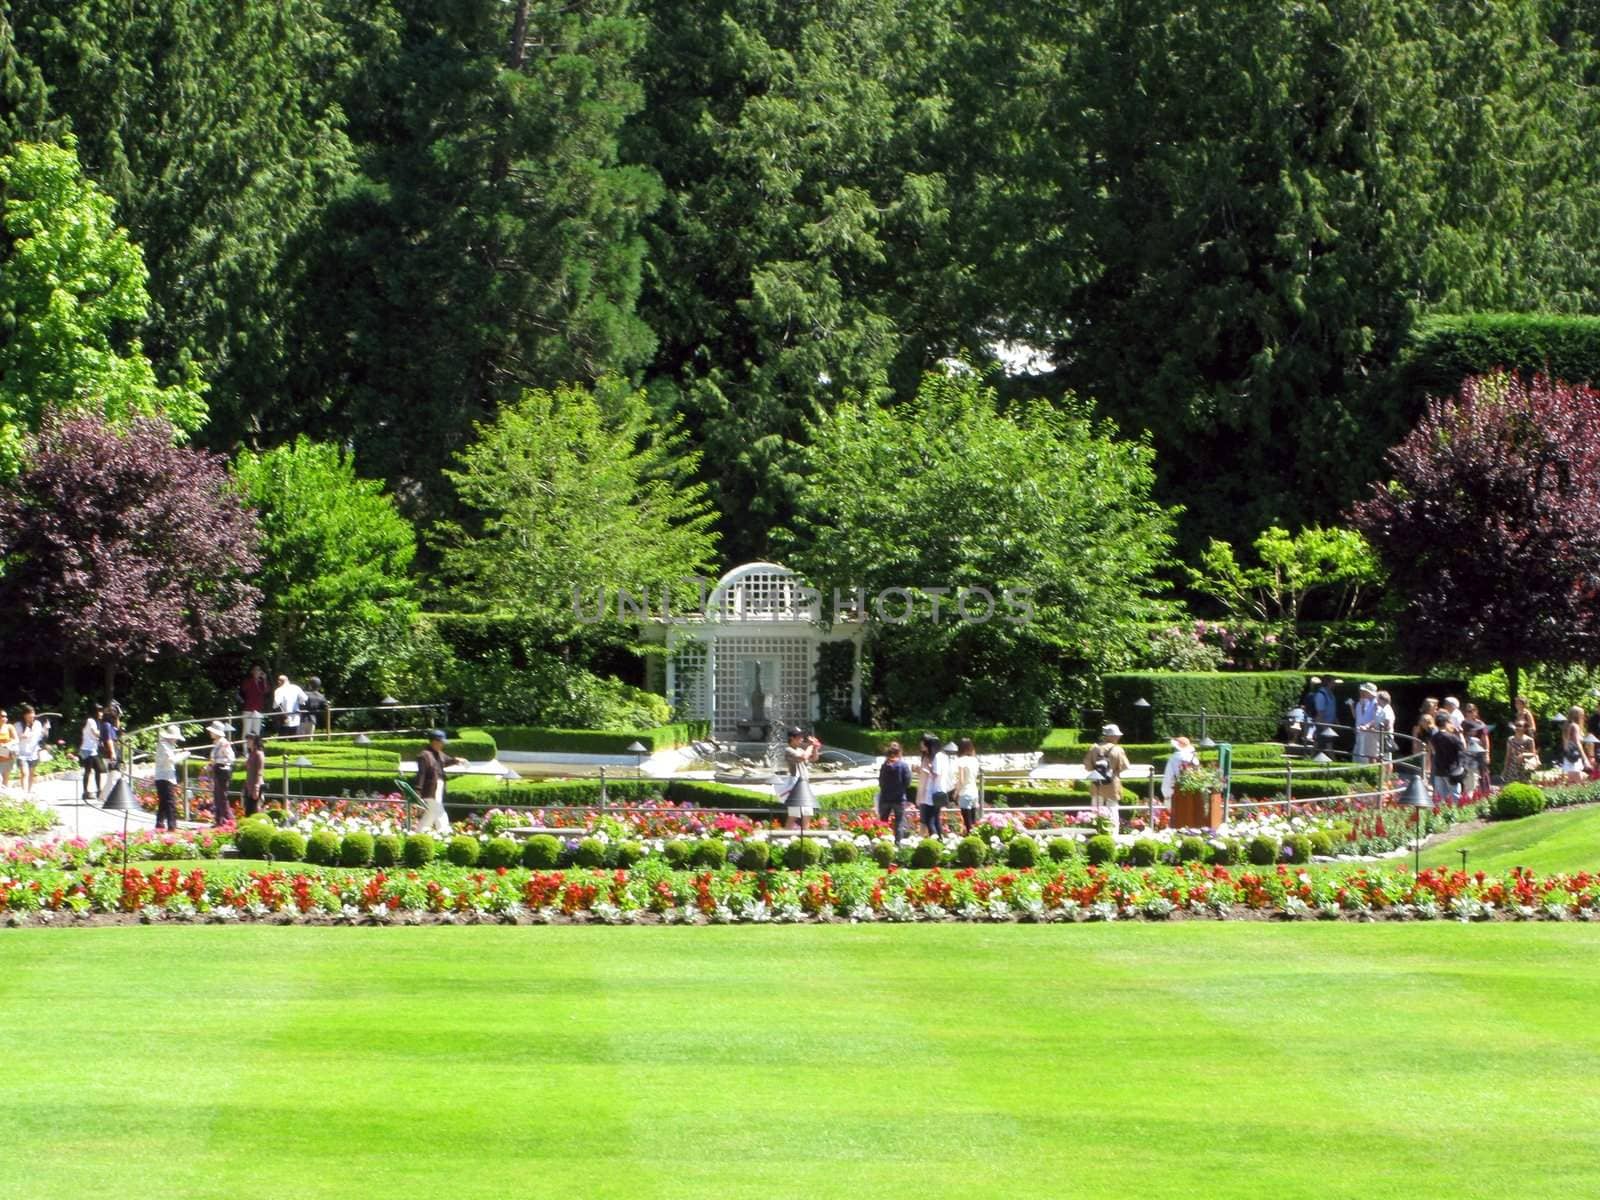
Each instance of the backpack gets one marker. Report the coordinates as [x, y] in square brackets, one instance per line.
[1100, 767]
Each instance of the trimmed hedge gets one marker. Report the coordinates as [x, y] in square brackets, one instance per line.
[1442, 351]
[538, 738]
[991, 739]
[1254, 702]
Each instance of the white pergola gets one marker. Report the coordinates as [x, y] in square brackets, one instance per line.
[760, 630]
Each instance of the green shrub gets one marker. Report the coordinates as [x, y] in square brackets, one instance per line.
[883, 852]
[462, 850]
[1192, 849]
[357, 850]
[991, 739]
[386, 850]
[252, 837]
[711, 854]
[928, 853]
[1263, 850]
[541, 852]
[971, 852]
[754, 856]
[1062, 849]
[801, 853]
[844, 851]
[1516, 800]
[1023, 852]
[1144, 853]
[323, 848]
[1300, 848]
[591, 852]
[629, 854]
[1321, 842]
[1100, 849]
[287, 846]
[500, 852]
[277, 814]
[678, 853]
[1228, 854]
[420, 850]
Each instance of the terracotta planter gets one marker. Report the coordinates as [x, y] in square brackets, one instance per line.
[1195, 810]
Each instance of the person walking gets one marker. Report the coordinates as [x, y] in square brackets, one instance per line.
[1366, 722]
[222, 759]
[255, 695]
[935, 777]
[1522, 755]
[287, 701]
[168, 756]
[431, 762]
[1477, 730]
[1522, 713]
[1105, 763]
[31, 733]
[255, 768]
[894, 786]
[967, 784]
[1324, 706]
[89, 760]
[1182, 758]
[798, 755]
[1575, 762]
[313, 709]
[1449, 761]
[8, 748]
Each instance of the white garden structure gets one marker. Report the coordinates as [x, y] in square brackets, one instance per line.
[748, 661]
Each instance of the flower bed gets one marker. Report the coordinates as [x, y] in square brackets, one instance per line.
[852, 892]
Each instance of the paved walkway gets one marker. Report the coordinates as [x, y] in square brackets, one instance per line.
[74, 819]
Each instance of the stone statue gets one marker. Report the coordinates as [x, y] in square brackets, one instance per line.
[758, 701]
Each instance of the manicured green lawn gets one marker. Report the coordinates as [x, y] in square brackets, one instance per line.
[1566, 840]
[1176, 1060]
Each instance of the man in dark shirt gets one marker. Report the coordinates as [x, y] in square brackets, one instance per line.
[1448, 762]
[431, 763]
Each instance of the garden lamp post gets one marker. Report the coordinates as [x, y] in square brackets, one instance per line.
[388, 702]
[1418, 801]
[1463, 854]
[301, 764]
[1141, 716]
[120, 799]
[365, 743]
[638, 750]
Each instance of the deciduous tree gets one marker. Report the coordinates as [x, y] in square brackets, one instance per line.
[72, 283]
[948, 489]
[1488, 527]
[120, 548]
[335, 552]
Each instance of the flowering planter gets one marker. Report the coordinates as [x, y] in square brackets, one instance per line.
[1196, 810]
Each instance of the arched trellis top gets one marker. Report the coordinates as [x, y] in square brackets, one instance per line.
[762, 591]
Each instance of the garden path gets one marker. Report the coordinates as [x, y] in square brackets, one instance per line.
[61, 792]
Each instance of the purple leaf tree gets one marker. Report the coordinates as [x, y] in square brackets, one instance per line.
[1490, 526]
[120, 547]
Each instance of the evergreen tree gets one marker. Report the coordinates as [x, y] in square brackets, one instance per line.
[492, 242]
[214, 128]
[787, 261]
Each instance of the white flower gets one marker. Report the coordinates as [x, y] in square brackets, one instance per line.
[1157, 907]
[970, 911]
[998, 909]
[790, 913]
[1295, 908]
[1328, 911]
[722, 914]
[863, 912]
[1102, 910]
